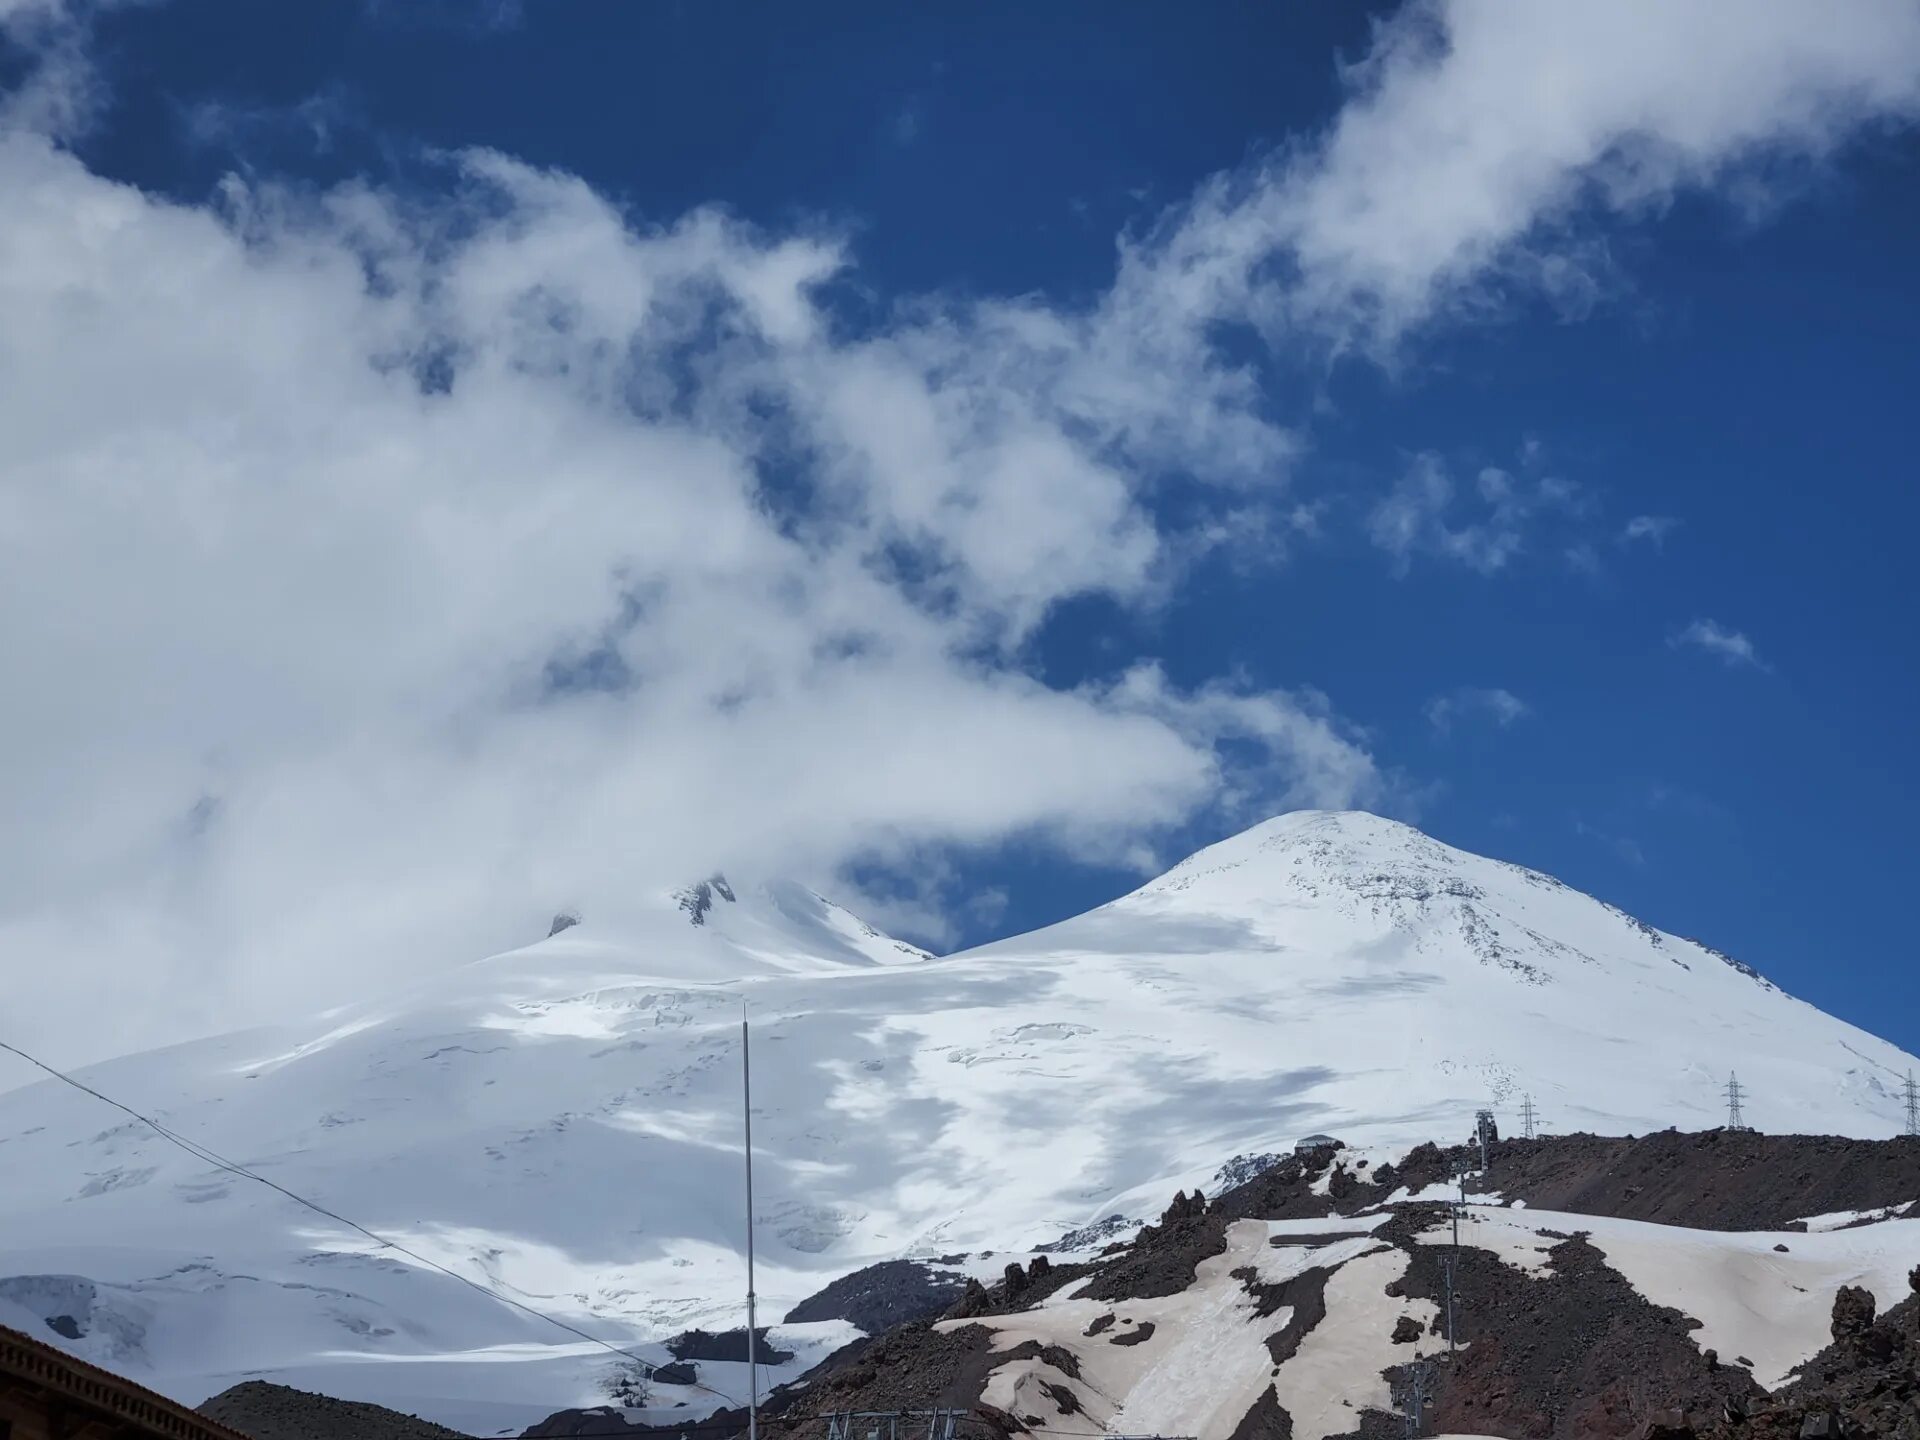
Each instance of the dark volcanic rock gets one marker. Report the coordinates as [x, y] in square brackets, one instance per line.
[598, 1420]
[1853, 1310]
[726, 1345]
[1185, 1207]
[1306, 1294]
[1163, 1257]
[1018, 1289]
[1669, 1424]
[1090, 1237]
[881, 1296]
[973, 1301]
[1710, 1180]
[1064, 1399]
[1267, 1420]
[279, 1412]
[1575, 1352]
[1242, 1168]
[1061, 1359]
[697, 900]
[914, 1367]
[1864, 1386]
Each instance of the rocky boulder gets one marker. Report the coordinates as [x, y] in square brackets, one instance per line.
[1853, 1312]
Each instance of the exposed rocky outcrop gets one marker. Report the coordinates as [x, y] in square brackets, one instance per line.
[914, 1367]
[879, 1297]
[1574, 1352]
[697, 900]
[1865, 1386]
[726, 1345]
[1163, 1257]
[1710, 1180]
[279, 1412]
[1091, 1237]
[594, 1420]
[1242, 1168]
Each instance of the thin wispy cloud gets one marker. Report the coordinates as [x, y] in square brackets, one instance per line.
[1623, 847]
[1727, 645]
[1484, 526]
[1582, 558]
[903, 126]
[1494, 705]
[1648, 529]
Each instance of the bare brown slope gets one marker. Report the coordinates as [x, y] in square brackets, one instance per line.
[279, 1412]
[1711, 1180]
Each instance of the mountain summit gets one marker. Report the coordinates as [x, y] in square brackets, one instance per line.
[563, 1122]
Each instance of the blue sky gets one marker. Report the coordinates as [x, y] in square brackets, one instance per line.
[1578, 536]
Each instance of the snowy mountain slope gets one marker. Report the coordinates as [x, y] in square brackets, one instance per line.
[1765, 1295]
[1311, 1316]
[563, 1121]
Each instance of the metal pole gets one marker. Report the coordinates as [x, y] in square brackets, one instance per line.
[753, 1364]
[1453, 1262]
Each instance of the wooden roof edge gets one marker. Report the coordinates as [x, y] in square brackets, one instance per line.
[104, 1388]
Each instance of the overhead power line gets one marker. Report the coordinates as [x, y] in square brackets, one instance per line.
[232, 1167]
[210, 1157]
[1736, 1117]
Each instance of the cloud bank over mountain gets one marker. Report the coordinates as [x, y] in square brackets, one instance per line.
[381, 568]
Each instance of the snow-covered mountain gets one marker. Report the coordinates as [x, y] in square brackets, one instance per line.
[562, 1121]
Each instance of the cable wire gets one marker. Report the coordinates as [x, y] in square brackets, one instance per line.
[210, 1157]
[201, 1152]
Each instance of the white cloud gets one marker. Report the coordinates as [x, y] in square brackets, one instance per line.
[1501, 706]
[57, 91]
[305, 500]
[1480, 141]
[1424, 514]
[1653, 529]
[1714, 638]
[282, 620]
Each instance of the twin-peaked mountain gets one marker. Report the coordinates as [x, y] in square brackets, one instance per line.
[563, 1122]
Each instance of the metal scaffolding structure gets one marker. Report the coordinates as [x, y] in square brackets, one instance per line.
[1736, 1120]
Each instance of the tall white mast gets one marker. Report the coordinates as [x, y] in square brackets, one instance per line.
[753, 1365]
